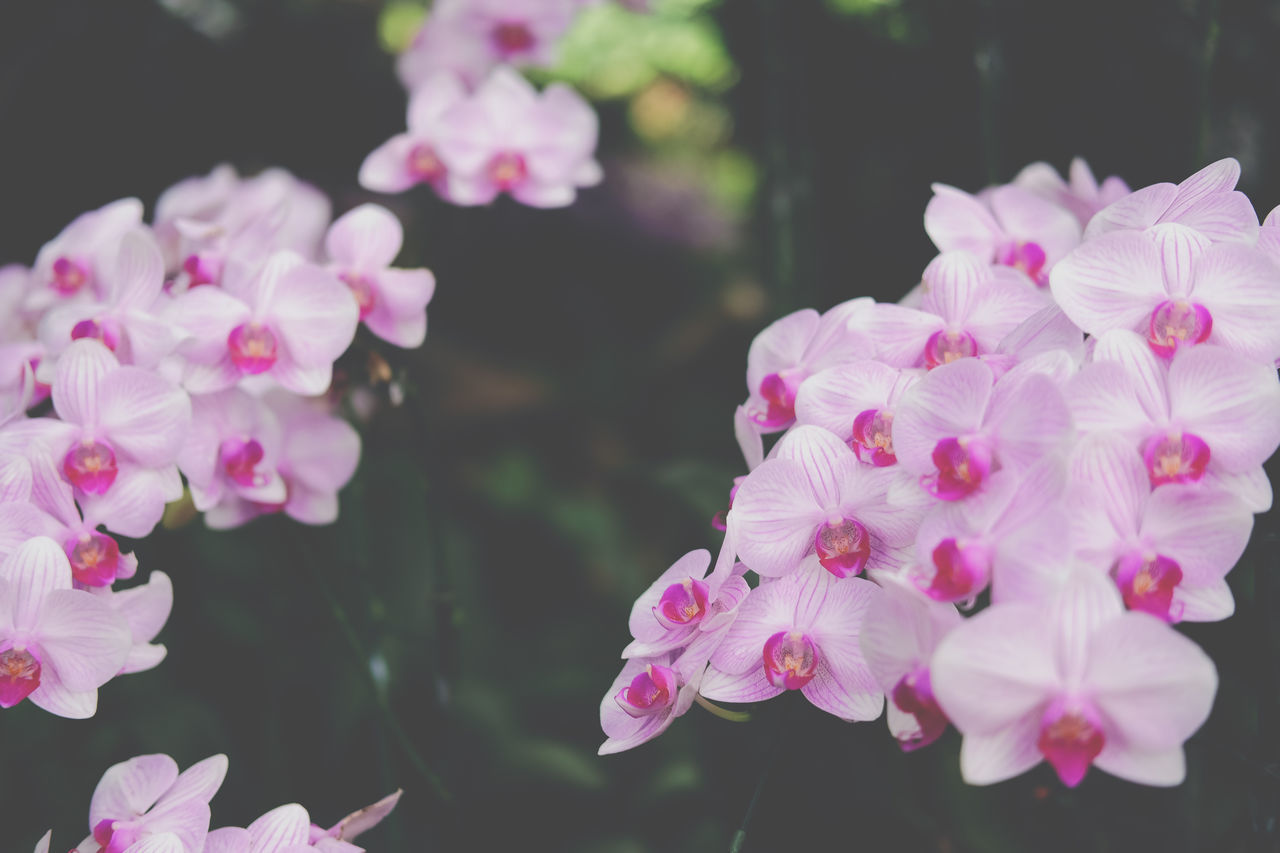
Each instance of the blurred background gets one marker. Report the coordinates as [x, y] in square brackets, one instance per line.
[565, 432]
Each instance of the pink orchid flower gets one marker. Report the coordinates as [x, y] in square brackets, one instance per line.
[1169, 550]
[73, 263]
[125, 319]
[289, 321]
[645, 698]
[362, 244]
[898, 637]
[288, 829]
[507, 137]
[1009, 226]
[800, 633]
[412, 158]
[856, 402]
[233, 447]
[1207, 202]
[1206, 414]
[119, 424]
[1078, 682]
[518, 32]
[146, 801]
[815, 496]
[957, 426]
[966, 309]
[146, 609]
[1081, 194]
[684, 601]
[58, 645]
[1172, 285]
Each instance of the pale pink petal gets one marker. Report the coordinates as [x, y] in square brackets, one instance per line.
[134, 504]
[311, 506]
[431, 98]
[768, 609]
[1047, 330]
[750, 441]
[82, 638]
[1104, 396]
[749, 686]
[206, 315]
[131, 787]
[901, 632]
[1230, 401]
[844, 688]
[1204, 531]
[1135, 212]
[42, 846]
[146, 608]
[1030, 218]
[1114, 480]
[999, 310]
[1152, 683]
[952, 281]
[955, 220]
[37, 568]
[53, 696]
[188, 820]
[165, 842]
[1001, 754]
[1223, 217]
[832, 398]
[994, 669]
[949, 402]
[229, 839]
[1240, 286]
[1030, 419]
[80, 373]
[900, 333]
[1113, 282]
[365, 238]
[1211, 603]
[399, 315]
[198, 783]
[775, 517]
[386, 169]
[322, 453]
[307, 381]
[1148, 373]
[15, 480]
[143, 415]
[359, 822]
[780, 345]
[314, 314]
[1161, 767]
[138, 276]
[280, 827]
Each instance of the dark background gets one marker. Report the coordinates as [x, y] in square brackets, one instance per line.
[567, 428]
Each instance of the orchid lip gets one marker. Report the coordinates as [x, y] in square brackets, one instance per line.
[513, 37]
[1147, 582]
[364, 291]
[779, 393]
[913, 694]
[963, 466]
[90, 466]
[508, 170]
[425, 165]
[1029, 257]
[843, 546]
[94, 557]
[790, 659]
[240, 459]
[947, 345]
[1071, 737]
[253, 348]
[69, 276]
[19, 675]
[872, 439]
[652, 691]
[1176, 323]
[1175, 457]
[962, 569]
[95, 330]
[683, 604]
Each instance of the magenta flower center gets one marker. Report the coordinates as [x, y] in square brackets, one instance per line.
[253, 348]
[962, 569]
[1176, 323]
[202, 270]
[914, 695]
[240, 460]
[508, 169]
[1175, 457]
[946, 345]
[843, 546]
[1028, 257]
[683, 603]
[69, 276]
[873, 437]
[19, 676]
[363, 290]
[115, 836]
[779, 393]
[512, 37]
[1147, 582]
[90, 466]
[95, 330]
[963, 465]
[95, 558]
[424, 164]
[1070, 738]
[651, 692]
[790, 660]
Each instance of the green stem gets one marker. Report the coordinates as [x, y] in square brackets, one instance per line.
[1212, 31]
[722, 713]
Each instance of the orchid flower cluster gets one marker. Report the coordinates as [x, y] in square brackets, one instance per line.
[992, 501]
[144, 805]
[476, 128]
[133, 356]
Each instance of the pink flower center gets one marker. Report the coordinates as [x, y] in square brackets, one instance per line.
[1176, 323]
[962, 569]
[95, 558]
[790, 660]
[1147, 582]
[363, 290]
[651, 692]
[69, 276]
[19, 676]
[779, 393]
[95, 330]
[253, 348]
[914, 695]
[1175, 457]
[90, 466]
[202, 269]
[115, 836]
[508, 170]
[240, 460]
[512, 37]
[424, 164]
[1070, 738]
[1028, 257]
[873, 437]
[946, 345]
[963, 465]
[843, 546]
[683, 603]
